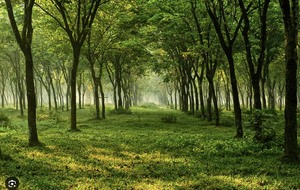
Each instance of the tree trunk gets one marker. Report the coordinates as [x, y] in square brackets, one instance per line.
[53, 89]
[20, 98]
[196, 95]
[235, 95]
[263, 94]
[41, 95]
[76, 53]
[31, 99]
[96, 91]
[102, 92]
[215, 101]
[290, 10]
[118, 77]
[79, 86]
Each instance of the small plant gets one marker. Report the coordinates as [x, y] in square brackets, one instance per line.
[170, 118]
[4, 120]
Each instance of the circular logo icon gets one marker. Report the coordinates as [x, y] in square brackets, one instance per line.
[12, 183]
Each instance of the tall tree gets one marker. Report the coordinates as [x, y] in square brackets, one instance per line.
[290, 11]
[24, 39]
[218, 11]
[255, 68]
[76, 19]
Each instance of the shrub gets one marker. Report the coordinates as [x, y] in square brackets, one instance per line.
[4, 120]
[121, 111]
[262, 122]
[170, 118]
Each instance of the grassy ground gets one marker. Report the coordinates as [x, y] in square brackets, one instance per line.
[139, 151]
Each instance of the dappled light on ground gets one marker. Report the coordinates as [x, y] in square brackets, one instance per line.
[140, 151]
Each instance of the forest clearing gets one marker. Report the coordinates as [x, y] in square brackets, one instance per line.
[141, 151]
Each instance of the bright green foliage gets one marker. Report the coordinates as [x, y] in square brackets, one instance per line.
[138, 151]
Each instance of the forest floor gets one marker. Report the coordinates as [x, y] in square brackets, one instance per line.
[140, 151]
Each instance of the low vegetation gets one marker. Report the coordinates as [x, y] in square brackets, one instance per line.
[141, 151]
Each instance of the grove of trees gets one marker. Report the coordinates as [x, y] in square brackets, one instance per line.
[201, 57]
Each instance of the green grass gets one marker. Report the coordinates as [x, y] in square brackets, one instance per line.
[139, 151]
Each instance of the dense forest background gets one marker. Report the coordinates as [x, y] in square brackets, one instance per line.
[200, 57]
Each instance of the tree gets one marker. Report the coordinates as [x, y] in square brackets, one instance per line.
[76, 19]
[290, 11]
[24, 39]
[227, 34]
[255, 69]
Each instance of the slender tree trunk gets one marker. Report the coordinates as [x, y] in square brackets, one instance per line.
[76, 54]
[118, 79]
[102, 92]
[196, 95]
[202, 107]
[53, 89]
[102, 99]
[41, 95]
[79, 90]
[96, 91]
[263, 93]
[20, 98]
[215, 101]
[235, 95]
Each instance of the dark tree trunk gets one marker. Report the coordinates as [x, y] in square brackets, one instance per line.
[102, 91]
[20, 97]
[200, 83]
[76, 53]
[96, 92]
[49, 98]
[118, 77]
[235, 95]
[216, 109]
[102, 99]
[196, 95]
[79, 88]
[290, 10]
[54, 93]
[31, 99]
[208, 105]
[263, 93]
